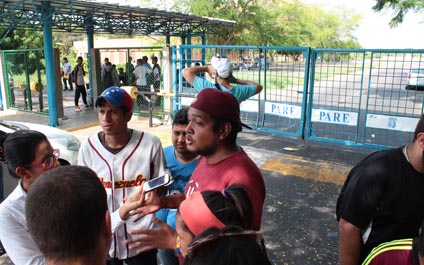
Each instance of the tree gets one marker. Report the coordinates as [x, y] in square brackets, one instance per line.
[278, 23]
[400, 7]
[20, 40]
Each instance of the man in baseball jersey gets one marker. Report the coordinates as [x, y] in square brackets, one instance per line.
[122, 158]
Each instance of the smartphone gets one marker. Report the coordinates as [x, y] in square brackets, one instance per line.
[156, 182]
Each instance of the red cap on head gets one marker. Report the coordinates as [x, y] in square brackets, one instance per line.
[197, 215]
[218, 104]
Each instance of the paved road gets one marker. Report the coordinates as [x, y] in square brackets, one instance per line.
[302, 181]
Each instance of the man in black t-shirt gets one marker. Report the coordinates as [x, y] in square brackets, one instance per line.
[382, 199]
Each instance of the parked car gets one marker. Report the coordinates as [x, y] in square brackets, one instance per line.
[67, 144]
[415, 79]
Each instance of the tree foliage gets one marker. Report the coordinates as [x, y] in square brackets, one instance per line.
[20, 39]
[277, 23]
[400, 8]
[23, 40]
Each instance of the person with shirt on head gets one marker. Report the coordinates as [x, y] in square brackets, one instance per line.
[214, 122]
[122, 158]
[233, 246]
[372, 207]
[68, 218]
[181, 164]
[27, 154]
[221, 69]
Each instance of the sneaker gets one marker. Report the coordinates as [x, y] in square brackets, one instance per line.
[77, 108]
[88, 106]
[71, 89]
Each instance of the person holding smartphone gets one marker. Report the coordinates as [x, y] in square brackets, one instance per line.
[214, 122]
[181, 163]
[123, 159]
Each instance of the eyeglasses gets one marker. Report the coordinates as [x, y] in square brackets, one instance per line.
[48, 162]
[209, 238]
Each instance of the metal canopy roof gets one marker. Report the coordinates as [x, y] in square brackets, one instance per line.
[78, 16]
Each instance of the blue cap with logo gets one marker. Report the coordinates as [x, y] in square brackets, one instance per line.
[117, 97]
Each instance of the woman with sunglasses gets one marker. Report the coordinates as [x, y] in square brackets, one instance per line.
[27, 154]
[228, 246]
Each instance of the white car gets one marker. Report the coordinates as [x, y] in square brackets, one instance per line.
[67, 144]
[415, 79]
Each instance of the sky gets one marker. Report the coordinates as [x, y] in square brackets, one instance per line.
[374, 30]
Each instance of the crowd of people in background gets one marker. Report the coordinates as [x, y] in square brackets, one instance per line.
[145, 77]
[213, 205]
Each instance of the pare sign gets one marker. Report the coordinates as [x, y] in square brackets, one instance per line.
[284, 110]
[335, 117]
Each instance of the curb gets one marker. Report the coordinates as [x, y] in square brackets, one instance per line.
[304, 168]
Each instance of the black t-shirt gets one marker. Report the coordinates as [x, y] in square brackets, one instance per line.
[384, 196]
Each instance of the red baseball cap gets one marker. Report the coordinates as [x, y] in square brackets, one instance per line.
[219, 104]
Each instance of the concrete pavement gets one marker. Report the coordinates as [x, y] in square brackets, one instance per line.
[302, 180]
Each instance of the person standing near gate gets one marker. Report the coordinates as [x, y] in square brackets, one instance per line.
[156, 74]
[122, 158]
[141, 72]
[382, 199]
[222, 70]
[67, 75]
[79, 74]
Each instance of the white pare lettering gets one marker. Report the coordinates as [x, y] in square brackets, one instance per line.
[335, 117]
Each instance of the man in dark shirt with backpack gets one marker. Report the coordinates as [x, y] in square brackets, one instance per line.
[382, 199]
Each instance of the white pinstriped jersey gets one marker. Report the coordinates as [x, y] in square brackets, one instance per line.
[120, 174]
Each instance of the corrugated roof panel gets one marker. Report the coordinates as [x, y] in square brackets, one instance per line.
[119, 18]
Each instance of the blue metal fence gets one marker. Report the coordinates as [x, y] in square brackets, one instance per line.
[358, 97]
[352, 97]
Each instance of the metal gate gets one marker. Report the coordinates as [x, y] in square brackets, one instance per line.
[25, 80]
[282, 71]
[246, 66]
[359, 97]
[352, 97]
[125, 58]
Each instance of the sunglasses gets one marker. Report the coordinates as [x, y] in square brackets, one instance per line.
[49, 162]
[209, 238]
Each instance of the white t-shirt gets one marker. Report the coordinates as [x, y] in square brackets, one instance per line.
[140, 73]
[14, 233]
[67, 68]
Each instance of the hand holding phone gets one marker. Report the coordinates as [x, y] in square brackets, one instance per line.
[156, 182]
